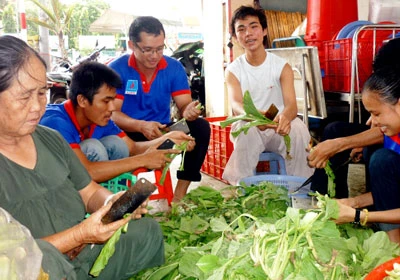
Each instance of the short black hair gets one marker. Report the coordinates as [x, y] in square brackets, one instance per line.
[146, 24]
[14, 54]
[89, 77]
[244, 11]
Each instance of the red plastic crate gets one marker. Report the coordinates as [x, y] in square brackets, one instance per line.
[338, 59]
[220, 150]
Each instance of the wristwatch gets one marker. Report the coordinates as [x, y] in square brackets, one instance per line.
[357, 217]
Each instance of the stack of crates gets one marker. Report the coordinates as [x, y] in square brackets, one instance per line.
[338, 60]
[219, 149]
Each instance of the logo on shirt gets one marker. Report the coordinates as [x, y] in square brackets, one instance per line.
[131, 87]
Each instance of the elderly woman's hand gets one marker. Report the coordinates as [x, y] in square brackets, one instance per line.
[141, 210]
[93, 230]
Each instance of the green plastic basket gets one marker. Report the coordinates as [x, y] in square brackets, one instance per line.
[120, 183]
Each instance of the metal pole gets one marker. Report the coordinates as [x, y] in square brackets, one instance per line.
[305, 87]
[22, 20]
[44, 45]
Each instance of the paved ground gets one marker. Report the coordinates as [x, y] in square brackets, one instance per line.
[356, 179]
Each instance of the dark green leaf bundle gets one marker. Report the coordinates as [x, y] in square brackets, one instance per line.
[253, 118]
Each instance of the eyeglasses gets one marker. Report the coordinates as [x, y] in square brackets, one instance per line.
[150, 51]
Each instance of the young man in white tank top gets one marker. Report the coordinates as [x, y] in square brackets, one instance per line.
[269, 80]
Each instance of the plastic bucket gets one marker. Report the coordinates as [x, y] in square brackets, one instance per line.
[300, 197]
[326, 17]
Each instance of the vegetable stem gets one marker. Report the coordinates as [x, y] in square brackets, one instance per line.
[254, 118]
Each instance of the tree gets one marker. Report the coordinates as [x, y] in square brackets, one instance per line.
[85, 13]
[9, 20]
[58, 20]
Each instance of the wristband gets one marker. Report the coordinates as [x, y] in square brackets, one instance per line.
[108, 198]
[363, 223]
[357, 217]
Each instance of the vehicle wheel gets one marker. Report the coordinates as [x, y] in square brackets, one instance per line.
[58, 95]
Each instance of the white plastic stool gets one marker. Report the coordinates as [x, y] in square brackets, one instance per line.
[276, 163]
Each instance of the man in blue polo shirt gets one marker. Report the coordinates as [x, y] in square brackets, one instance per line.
[85, 122]
[150, 82]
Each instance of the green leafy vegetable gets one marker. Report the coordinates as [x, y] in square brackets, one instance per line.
[182, 147]
[107, 251]
[253, 118]
[253, 234]
[200, 106]
[331, 179]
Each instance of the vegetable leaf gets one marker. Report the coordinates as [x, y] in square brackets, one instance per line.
[182, 147]
[253, 118]
[105, 254]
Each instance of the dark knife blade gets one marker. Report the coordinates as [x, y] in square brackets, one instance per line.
[180, 126]
[306, 182]
[271, 112]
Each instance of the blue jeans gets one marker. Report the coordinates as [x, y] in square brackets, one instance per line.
[107, 148]
[384, 171]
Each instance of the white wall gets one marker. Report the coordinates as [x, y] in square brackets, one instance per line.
[212, 23]
[363, 9]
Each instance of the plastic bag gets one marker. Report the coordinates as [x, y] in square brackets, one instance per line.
[384, 10]
[20, 256]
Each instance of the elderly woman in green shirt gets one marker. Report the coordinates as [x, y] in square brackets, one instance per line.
[45, 187]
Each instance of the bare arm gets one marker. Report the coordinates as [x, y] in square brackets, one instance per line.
[347, 208]
[234, 93]
[178, 137]
[326, 149]
[289, 112]
[388, 216]
[91, 230]
[288, 93]
[101, 171]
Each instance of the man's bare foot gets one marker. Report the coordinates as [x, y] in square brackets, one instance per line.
[180, 190]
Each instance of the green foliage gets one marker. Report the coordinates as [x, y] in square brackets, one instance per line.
[107, 251]
[253, 118]
[72, 20]
[9, 19]
[57, 19]
[84, 14]
[331, 179]
[255, 235]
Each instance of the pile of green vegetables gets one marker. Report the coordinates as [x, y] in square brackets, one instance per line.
[253, 234]
[253, 117]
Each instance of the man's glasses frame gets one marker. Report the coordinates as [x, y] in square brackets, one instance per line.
[159, 50]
